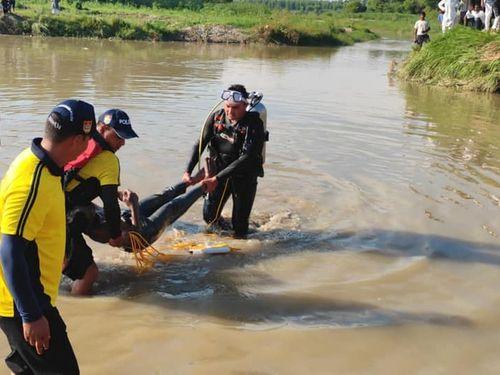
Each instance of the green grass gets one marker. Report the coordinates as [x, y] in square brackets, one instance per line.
[256, 22]
[462, 58]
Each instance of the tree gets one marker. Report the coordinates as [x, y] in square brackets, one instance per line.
[355, 6]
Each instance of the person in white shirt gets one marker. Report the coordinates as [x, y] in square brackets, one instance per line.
[449, 7]
[421, 29]
[491, 9]
[475, 18]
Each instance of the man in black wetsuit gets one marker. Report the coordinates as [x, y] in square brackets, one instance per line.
[235, 139]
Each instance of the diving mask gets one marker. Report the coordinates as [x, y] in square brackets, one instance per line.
[234, 96]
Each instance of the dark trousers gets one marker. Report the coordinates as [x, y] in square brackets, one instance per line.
[58, 359]
[243, 190]
[158, 211]
[475, 23]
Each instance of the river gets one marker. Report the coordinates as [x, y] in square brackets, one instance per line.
[376, 248]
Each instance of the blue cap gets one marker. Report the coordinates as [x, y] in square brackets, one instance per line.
[119, 121]
[77, 117]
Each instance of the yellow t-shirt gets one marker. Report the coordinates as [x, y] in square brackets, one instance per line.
[105, 166]
[32, 207]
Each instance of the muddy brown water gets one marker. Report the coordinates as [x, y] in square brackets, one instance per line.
[376, 248]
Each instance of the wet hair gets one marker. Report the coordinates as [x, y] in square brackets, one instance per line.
[240, 88]
[55, 129]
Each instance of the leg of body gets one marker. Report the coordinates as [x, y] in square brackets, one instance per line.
[79, 265]
[58, 359]
[496, 20]
[488, 11]
[156, 223]
[243, 191]
[83, 286]
[149, 205]
[443, 25]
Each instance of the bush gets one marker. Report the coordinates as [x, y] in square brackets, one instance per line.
[406, 6]
[355, 6]
[461, 57]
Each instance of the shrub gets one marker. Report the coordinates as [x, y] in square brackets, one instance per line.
[355, 6]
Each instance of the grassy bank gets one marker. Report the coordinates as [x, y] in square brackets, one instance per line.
[462, 58]
[230, 22]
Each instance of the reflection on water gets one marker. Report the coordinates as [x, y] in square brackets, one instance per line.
[379, 209]
[458, 125]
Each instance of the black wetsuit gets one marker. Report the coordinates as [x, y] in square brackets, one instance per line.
[236, 152]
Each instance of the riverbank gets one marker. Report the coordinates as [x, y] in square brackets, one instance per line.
[218, 23]
[462, 58]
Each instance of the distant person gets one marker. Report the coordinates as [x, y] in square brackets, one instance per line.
[491, 10]
[421, 30]
[440, 17]
[475, 18]
[33, 231]
[55, 7]
[449, 9]
[6, 6]
[462, 9]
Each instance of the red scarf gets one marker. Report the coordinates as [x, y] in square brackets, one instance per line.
[92, 150]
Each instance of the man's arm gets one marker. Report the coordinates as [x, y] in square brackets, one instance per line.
[15, 269]
[205, 138]
[131, 199]
[112, 213]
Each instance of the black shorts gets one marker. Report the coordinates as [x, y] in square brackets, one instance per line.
[78, 254]
[23, 359]
[78, 257]
[421, 39]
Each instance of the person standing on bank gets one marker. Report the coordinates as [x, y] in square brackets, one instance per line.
[33, 234]
[421, 30]
[95, 173]
[235, 139]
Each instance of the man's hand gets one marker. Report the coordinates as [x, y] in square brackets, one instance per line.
[37, 334]
[116, 242]
[128, 197]
[186, 178]
[209, 184]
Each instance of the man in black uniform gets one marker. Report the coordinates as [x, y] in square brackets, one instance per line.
[235, 139]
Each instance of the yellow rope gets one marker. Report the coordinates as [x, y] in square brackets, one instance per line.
[146, 255]
[219, 207]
